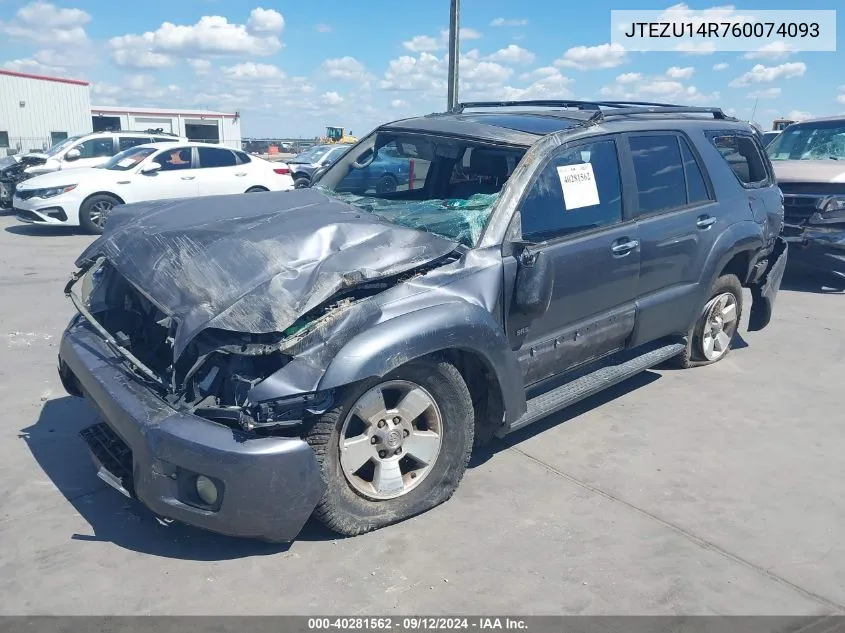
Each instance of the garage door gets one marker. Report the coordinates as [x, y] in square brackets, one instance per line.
[153, 123]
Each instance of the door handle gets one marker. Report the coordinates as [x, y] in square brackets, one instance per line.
[623, 248]
[241, 173]
[188, 177]
[705, 222]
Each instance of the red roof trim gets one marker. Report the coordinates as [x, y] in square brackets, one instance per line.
[61, 80]
[189, 113]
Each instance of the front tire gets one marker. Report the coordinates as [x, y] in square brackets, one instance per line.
[393, 448]
[257, 190]
[386, 184]
[711, 337]
[94, 212]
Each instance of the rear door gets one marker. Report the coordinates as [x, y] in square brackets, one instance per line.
[219, 173]
[677, 220]
[575, 213]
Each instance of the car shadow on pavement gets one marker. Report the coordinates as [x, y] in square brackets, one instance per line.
[55, 444]
[37, 230]
[482, 455]
[800, 279]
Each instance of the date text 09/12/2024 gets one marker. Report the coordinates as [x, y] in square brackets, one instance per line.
[416, 623]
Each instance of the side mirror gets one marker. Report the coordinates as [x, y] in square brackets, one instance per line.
[535, 282]
[150, 168]
[72, 154]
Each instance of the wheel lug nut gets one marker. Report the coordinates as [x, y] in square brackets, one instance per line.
[406, 432]
[374, 440]
[397, 420]
[381, 423]
[382, 454]
[413, 475]
[398, 451]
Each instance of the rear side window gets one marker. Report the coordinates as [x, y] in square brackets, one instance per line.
[213, 157]
[125, 142]
[744, 158]
[696, 187]
[579, 190]
[659, 172]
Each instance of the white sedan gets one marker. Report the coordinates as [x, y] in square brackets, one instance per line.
[84, 197]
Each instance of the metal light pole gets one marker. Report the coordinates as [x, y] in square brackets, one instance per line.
[454, 52]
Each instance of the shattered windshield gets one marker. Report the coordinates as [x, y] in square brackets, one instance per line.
[819, 140]
[443, 185]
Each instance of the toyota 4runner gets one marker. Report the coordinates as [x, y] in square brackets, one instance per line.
[338, 352]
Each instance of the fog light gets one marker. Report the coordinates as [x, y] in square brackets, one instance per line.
[206, 490]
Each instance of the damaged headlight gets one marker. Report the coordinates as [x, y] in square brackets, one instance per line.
[832, 204]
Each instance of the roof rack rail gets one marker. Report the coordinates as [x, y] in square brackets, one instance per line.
[620, 108]
[158, 130]
[541, 103]
[601, 115]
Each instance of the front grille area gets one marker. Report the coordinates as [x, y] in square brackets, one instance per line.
[111, 453]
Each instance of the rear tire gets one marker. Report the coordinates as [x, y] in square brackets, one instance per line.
[257, 190]
[414, 447]
[710, 339]
[94, 212]
[302, 183]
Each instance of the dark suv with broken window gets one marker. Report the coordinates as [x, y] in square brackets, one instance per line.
[339, 352]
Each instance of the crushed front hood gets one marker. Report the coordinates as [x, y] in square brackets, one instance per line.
[253, 262]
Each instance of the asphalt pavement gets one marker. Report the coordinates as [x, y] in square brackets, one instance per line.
[712, 490]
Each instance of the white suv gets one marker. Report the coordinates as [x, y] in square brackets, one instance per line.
[93, 150]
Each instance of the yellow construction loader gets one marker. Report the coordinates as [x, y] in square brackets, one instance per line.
[336, 135]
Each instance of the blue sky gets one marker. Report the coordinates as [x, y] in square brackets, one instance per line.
[291, 68]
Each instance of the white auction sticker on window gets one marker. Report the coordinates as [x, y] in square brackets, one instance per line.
[579, 186]
[126, 162]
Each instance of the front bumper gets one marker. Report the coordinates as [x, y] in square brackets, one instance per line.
[269, 485]
[818, 247]
[57, 210]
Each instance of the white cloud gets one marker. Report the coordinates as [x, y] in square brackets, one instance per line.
[721, 66]
[540, 73]
[840, 98]
[696, 48]
[346, 68]
[211, 36]
[509, 22]
[429, 44]
[200, 66]
[549, 83]
[628, 78]
[47, 24]
[129, 58]
[426, 72]
[265, 21]
[593, 57]
[332, 98]
[799, 115]
[323, 28]
[636, 87]
[772, 50]
[512, 54]
[61, 33]
[422, 44]
[766, 93]
[251, 71]
[767, 74]
[398, 103]
[680, 73]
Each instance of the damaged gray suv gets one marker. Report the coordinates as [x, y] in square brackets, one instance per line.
[338, 351]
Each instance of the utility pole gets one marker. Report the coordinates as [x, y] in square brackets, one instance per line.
[454, 52]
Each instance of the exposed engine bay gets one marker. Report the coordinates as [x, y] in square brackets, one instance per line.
[12, 172]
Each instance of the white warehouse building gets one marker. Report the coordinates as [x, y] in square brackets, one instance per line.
[196, 125]
[37, 111]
